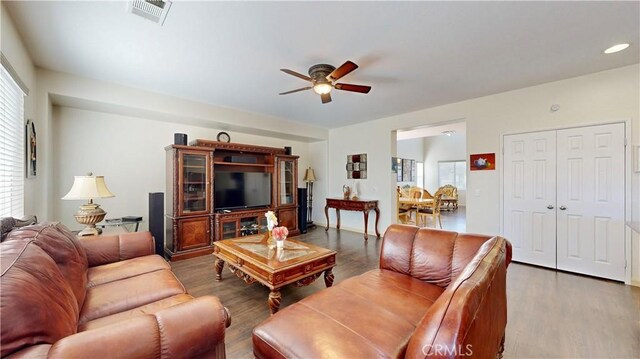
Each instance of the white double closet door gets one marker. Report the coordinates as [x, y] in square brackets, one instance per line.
[564, 199]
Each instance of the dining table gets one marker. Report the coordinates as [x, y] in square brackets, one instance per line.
[417, 202]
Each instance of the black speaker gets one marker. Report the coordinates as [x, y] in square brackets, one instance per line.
[156, 220]
[287, 150]
[180, 139]
[302, 210]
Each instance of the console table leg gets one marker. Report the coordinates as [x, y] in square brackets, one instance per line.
[326, 215]
[219, 267]
[328, 278]
[366, 224]
[338, 218]
[274, 301]
[377, 220]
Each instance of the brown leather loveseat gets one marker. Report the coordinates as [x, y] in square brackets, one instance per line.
[99, 297]
[437, 294]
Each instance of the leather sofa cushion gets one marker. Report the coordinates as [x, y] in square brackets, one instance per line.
[38, 305]
[371, 315]
[129, 293]
[406, 297]
[64, 248]
[125, 269]
[150, 308]
[431, 256]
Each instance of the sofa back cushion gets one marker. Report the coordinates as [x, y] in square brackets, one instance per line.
[431, 255]
[64, 248]
[37, 305]
[470, 317]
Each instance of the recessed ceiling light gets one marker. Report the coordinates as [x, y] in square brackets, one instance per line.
[616, 48]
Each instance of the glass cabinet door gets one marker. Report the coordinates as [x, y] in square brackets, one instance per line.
[229, 229]
[286, 182]
[249, 226]
[194, 183]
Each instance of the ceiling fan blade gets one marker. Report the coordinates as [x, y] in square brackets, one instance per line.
[326, 98]
[342, 70]
[297, 90]
[296, 74]
[353, 88]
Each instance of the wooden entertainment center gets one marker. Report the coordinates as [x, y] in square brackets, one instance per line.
[192, 221]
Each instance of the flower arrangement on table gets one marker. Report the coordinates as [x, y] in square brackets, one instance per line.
[272, 220]
[280, 234]
[277, 233]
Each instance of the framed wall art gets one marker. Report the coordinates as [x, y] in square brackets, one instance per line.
[31, 150]
[406, 169]
[482, 162]
[357, 166]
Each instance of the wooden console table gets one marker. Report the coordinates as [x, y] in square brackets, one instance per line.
[360, 205]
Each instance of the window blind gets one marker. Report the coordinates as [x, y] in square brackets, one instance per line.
[453, 173]
[12, 147]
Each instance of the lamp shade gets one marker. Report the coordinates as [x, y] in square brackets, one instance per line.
[88, 187]
[309, 175]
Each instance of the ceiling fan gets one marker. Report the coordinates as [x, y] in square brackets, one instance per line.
[322, 78]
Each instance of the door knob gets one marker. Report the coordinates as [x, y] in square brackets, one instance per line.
[550, 206]
[562, 208]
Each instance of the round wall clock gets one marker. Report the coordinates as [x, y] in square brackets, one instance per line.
[223, 137]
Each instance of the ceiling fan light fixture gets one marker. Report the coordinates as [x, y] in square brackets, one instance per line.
[322, 88]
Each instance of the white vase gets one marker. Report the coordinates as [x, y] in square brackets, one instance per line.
[280, 244]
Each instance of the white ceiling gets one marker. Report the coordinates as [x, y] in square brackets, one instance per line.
[458, 128]
[415, 55]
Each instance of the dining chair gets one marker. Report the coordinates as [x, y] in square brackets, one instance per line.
[404, 213]
[434, 212]
[450, 193]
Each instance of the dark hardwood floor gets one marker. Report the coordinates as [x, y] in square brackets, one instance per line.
[551, 314]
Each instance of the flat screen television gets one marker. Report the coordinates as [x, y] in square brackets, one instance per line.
[235, 190]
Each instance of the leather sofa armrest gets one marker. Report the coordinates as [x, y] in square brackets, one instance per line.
[191, 329]
[109, 249]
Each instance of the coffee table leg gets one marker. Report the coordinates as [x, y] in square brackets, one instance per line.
[274, 301]
[328, 278]
[219, 266]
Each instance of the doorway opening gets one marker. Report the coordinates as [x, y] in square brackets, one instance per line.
[432, 160]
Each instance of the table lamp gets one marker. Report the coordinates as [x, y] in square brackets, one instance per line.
[309, 178]
[89, 187]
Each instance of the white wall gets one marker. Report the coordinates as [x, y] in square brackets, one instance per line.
[129, 152]
[600, 97]
[165, 113]
[444, 148]
[14, 50]
[411, 149]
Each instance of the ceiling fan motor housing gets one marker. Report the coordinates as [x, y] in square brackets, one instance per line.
[319, 73]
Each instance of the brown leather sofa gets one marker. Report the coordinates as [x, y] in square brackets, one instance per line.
[437, 294]
[99, 297]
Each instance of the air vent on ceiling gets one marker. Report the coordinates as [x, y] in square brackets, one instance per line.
[154, 10]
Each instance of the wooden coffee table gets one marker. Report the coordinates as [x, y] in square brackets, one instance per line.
[252, 260]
